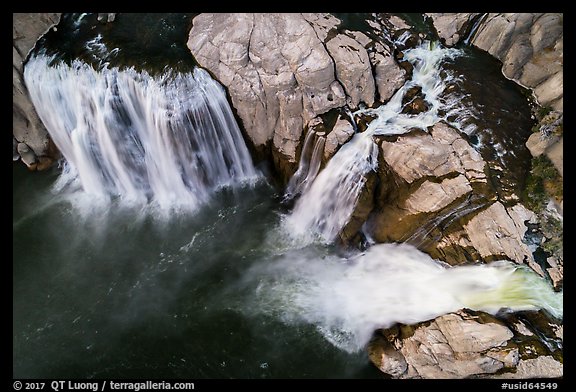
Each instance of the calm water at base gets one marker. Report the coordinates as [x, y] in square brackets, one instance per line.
[120, 294]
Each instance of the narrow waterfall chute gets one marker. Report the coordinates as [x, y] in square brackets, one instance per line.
[328, 203]
[309, 165]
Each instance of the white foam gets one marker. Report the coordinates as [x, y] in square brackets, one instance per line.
[349, 298]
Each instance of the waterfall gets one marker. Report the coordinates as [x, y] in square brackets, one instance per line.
[475, 26]
[326, 206]
[309, 165]
[348, 298]
[170, 140]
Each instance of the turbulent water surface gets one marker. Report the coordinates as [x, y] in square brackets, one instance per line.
[159, 251]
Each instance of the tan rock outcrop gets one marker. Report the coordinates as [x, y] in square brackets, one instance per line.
[340, 134]
[283, 70]
[541, 367]
[426, 176]
[498, 231]
[436, 154]
[456, 345]
[530, 46]
[451, 27]
[433, 196]
[353, 69]
[27, 127]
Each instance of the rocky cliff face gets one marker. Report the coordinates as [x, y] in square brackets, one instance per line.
[283, 71]
[435, 194]
[30, 138]
[530, 46]
[460, 345]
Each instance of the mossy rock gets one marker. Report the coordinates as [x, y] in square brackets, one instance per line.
[543, 182]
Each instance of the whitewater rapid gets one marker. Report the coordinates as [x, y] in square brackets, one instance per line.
[348, 298]
[172, 140]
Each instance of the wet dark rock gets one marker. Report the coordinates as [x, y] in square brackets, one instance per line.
[364, 206]
[44, 163]
[106, 17]
[411, 94]
[414, 101]
[415, 106]
[15, 155]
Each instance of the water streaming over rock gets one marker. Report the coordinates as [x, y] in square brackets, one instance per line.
[326, 206]
[170, 140]
[427, 60]
[309, 165]
[347, 298]
[474, 28]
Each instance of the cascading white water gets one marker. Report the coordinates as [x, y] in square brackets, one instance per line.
[474, 28]
[170, 140]
[347, 299]
[326, 206]
[426, 60]
[309, 165]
